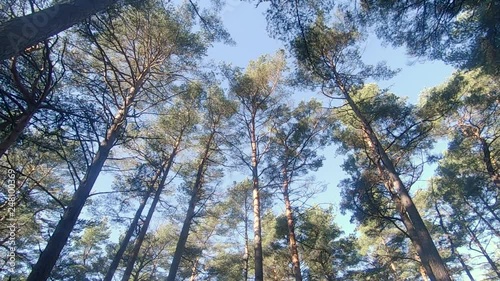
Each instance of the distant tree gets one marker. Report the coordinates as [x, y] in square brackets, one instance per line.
[216, 114]
[257, 91]
[166, 141]
[23, 32]
[231, 260]
[297, 136]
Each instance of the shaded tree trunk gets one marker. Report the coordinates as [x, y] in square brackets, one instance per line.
[41, 270]
[20, 33]
[257, 227]
[246, 250]
[291, 229]
[181, 243]
[124, 243]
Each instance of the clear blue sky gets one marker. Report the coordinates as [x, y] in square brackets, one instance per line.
[247, 26]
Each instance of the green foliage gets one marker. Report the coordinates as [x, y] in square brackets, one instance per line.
[464, 33]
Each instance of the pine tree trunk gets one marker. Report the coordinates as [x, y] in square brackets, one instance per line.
[124, 243]
[142, 234]
[181, 243]
[41, 270]
[291, 229]
[23, 32]
[247, 252]
[422, 240]
[257, 228]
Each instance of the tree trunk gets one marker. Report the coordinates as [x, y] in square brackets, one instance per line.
[291, 229]
[142, 234]
[181, 243]
[124, 243]
[246, 253]
[41, 270]
[20, 33]
[257, 228]
[422, 240]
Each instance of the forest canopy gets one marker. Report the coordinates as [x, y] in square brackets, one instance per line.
[128, 153]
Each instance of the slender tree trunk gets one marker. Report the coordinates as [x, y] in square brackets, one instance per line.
[124, 243]
[478, 243]
[291, 229]
[257, 228]
[41, 270]
[246, 254]
[421, 239]
[181, 243]
[20, 33]
[142, 234]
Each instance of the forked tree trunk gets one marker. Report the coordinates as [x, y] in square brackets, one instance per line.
[20, 33]
[420, 237]
[181, 243]
[124, 243]
[294, 253]
[41, 270]
[142, 234]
